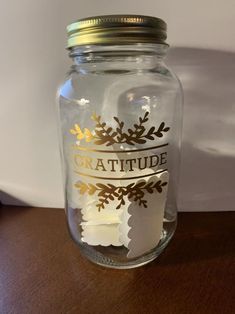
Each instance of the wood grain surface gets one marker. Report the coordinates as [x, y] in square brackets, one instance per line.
[42, 271]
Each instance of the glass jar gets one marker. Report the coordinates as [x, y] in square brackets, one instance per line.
[120, 111]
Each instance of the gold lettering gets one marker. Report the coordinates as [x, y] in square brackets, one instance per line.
[83, 161]
[145, 163]
[152, 165]
[87, 162]
[122, 165]
[78, 160]
[163, 158]
[100, 164]
[112, 163]
[131, 163]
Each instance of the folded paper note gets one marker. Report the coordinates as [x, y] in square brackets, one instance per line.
[146, 224]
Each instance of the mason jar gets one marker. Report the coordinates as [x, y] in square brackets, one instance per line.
[120, 123]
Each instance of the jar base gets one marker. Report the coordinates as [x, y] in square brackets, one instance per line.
[101, 260]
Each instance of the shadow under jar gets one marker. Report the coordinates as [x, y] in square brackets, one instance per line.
[120, 116]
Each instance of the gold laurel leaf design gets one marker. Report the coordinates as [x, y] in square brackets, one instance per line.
[109, 192]
[106, 135]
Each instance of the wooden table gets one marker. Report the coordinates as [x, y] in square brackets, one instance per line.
[42, 271]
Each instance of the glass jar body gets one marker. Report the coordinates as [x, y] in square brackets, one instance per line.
[120, 116]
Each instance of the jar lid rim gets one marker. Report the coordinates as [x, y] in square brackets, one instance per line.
[117, 29]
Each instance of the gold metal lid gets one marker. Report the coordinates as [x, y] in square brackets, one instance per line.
[116, 29]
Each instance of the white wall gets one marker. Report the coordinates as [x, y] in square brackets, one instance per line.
[33, 62]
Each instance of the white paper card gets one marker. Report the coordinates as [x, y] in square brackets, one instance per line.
[100, 227]
[146, 223]
[104, 235]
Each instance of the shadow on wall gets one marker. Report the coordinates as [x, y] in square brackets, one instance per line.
[208, 150]
[6, 198]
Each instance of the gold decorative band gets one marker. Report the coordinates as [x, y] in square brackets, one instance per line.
[117, 151]
[112, 178]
